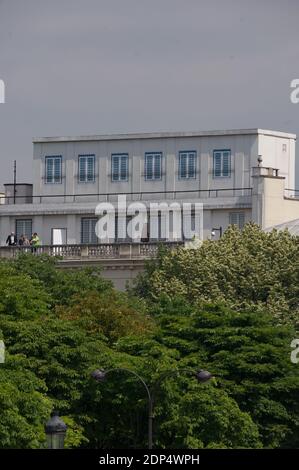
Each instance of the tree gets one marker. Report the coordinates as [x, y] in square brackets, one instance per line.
[112, 315]
[24, 406]
[249, 354]
[244, 268]
[54, 343]
[20, 295]
[60, 284]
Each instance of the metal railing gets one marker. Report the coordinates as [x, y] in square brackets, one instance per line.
[291, 193]
[135, 195]
[98, 251]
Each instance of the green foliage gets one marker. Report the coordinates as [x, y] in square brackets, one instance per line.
[61, 284]
[244, 268]
[24, 407]
[21, 296]
[250, 356]
[59, 325]
[111, 315]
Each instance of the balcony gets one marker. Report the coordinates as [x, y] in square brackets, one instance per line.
[103, 251]
[171, 195]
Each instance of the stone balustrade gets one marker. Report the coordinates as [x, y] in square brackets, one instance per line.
[96, 252]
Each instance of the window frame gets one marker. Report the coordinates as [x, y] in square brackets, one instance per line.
[119, 179]
[81, 237]
[86, 156]
[16, 231]
[187, 177]
[222, 151]
[47, 159]
[152, 154]
[238, 213]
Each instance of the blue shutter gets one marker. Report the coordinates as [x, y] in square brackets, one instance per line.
[149, 167]
[157, 166]
[49, 170]
[124, 167]
[217, 164]
[90, 168]
[191, 165]
[53, 169]
[115, 167]
[81, 169]
[57, 170]
[86, 168]
[226, 164]
[183, 165]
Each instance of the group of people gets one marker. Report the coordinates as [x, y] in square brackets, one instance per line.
[23, 240]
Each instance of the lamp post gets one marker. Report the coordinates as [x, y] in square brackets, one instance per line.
[55, 430]
[216, 229]
[201, 376]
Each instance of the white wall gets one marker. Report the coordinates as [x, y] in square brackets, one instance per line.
[242, 148]
[274, 156]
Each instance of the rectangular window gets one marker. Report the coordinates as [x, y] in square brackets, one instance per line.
[88, 232]
[237, 218]
[153, 166]
[187, 165]
[86, 168]
[23, 227]
[119, 164]
[53, 169]
[222, 164]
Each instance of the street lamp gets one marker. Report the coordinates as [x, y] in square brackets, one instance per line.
[201, 376]
[55, 430]
[216, 229]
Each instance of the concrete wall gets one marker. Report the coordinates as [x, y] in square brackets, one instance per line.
[278, 152]
[120, 272]
[22, 193]
[269, 205]
[244, 151]
[43, 223]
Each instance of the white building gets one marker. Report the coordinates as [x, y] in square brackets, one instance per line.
[73, 174]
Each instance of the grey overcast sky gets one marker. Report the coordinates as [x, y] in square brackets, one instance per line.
[108, 66]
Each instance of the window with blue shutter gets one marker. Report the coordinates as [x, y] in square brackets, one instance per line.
[237, 218]
[153, 166]
[86, 168]
[187, 165]
[53, 169]
[119, 167]
[222, 163]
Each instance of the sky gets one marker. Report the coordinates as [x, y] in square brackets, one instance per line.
[84, 67]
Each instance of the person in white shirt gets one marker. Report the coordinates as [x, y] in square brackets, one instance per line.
[11, 239]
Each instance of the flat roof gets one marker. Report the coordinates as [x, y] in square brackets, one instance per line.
[161, 135]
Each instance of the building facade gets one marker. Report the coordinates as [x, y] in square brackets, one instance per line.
[73, 174]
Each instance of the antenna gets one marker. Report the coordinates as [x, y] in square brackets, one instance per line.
[14, 181]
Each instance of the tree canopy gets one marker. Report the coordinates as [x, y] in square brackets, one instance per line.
[229, 307]
[244, 268]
